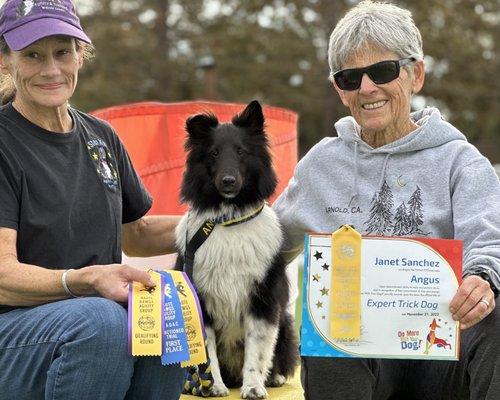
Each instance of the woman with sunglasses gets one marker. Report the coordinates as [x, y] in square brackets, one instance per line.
[391, 172]
[69, 200]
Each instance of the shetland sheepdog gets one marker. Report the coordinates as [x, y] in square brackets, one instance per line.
[238, 271]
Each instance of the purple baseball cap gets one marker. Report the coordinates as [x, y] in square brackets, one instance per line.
[23, 22]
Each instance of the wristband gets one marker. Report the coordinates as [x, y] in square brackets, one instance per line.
[65, 285]
[488, 279]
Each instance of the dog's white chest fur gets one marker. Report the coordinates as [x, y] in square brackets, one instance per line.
[231, 261]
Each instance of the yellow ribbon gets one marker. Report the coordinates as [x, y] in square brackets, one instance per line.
[345, 293]
[192, 321]
[146, 325]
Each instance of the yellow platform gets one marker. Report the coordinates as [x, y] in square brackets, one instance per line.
[289, 391]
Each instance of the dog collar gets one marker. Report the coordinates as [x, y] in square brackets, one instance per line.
[227, 221]
[206, 229]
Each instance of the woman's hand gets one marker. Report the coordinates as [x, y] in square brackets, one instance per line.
[473, 301]
[110, 281]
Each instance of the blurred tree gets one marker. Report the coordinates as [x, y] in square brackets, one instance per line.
[460, 39]
[275, 51]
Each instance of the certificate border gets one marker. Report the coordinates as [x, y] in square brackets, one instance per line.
[341, 352]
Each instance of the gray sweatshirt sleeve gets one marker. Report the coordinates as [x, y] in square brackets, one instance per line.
[476, 217]
[287, 207]
[296, 206]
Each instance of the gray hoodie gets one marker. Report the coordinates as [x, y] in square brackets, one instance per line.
[431, 183]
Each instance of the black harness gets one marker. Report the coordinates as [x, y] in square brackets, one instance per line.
[204, 232]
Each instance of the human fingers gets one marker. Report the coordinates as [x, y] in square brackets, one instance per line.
[481, 310]
[468, 294]
[467, 305]
[112, 281]
[133, 274]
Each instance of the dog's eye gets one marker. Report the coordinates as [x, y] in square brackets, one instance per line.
[240, 151]
[215, 153]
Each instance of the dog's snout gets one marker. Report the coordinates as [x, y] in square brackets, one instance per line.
[228, 180]
[229, 183]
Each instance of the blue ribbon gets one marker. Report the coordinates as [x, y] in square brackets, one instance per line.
[175, 344]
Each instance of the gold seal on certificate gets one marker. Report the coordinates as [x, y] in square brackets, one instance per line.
[393, 303]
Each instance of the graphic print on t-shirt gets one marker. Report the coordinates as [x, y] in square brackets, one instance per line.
[104, 162]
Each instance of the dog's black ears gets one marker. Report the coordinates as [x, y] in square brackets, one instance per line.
[251, 117]
[199, 125]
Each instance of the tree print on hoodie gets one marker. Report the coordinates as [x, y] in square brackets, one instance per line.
[408, 219]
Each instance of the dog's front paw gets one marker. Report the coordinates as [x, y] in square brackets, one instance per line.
[253, 392]
[219, 390]
[276, 380]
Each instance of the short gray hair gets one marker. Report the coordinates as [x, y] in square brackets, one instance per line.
[374, 23]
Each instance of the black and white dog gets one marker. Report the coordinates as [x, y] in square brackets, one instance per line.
[238, 271]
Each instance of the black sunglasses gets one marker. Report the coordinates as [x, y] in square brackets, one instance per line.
[381, 72]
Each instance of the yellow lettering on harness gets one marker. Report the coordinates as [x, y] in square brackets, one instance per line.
[208, 227]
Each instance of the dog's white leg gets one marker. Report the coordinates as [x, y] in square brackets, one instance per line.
[219, 389]
[260, 341]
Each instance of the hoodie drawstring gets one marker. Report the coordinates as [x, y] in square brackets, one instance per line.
[382, 174]
[354, 190]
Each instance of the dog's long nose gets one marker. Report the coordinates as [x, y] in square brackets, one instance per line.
[228, 180]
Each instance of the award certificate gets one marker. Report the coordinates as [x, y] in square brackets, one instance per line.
[406, 285]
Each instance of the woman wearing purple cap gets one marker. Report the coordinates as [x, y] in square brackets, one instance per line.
[69, 201]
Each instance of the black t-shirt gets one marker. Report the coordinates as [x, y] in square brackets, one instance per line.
[67, 195]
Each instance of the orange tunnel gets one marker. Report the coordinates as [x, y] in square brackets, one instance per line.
[154, 136]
